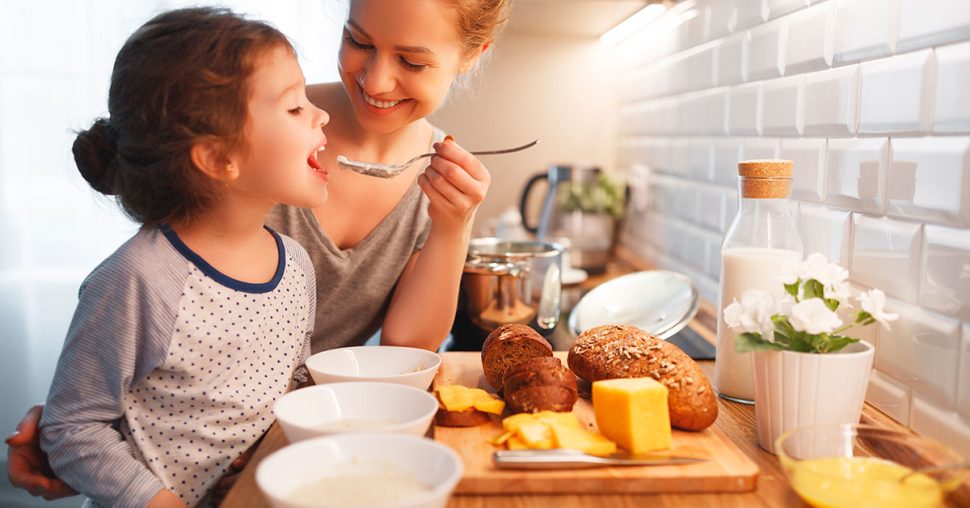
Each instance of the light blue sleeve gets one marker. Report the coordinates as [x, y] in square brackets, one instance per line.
[120, 332]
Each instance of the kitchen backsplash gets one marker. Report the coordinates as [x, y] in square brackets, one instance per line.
[871, 100]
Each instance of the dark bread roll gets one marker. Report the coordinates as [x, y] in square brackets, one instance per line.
[540, 384]
[621, 351]
[508, 345]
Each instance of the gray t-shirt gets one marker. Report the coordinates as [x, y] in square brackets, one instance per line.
[170, 369]
[355, 285]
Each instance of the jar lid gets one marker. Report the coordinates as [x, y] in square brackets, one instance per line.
[765, 178]
[765, 168]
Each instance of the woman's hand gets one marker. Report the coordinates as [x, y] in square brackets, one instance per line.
[232, 475]
[455, 183]
[27, 465]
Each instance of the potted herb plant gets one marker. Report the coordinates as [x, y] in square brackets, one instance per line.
[807, 371]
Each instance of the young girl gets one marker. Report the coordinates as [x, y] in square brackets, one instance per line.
[184, 337]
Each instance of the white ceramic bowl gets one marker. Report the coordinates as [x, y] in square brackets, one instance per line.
[432, 464]
[337, 408]
[390, 364]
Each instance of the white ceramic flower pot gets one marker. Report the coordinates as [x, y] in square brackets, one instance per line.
[798, 389]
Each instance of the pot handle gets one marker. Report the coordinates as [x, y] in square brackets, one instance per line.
[524, 199]
[550, 301]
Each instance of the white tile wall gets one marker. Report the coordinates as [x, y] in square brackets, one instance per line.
[857, 174]
[810, 35]
[885, 255]
[869, 99]
[889, 395]
[945, 280]
[865, 29]
[952, 111]
[929, 179]
[922, 350]
[895, 94]
[832, 102]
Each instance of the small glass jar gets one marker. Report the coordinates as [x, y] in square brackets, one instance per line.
[762, 239]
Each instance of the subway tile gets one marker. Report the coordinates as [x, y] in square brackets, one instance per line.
[744, 109]
[825, 231]
[886, 255]
[929, 179]
[923, 24]
[896, 94]
[713, 268]
[808, 156]
[856, 174]
[940, 424]
[963, 389]
[889, 395]
[781, 106]
[700, 66]
[945, 285]
[759, 148]
[732, 59]
[695, 29]
[699, 159]
[710, 206]
[831, 102]
[677, 151]
[864, 29]
[749, 13]
[922, 350]
[775, 8]
[725, 156]
[722, 18]
[952, 111]
[810, 33]
[766, 51]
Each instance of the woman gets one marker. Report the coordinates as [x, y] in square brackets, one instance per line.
[392, 258]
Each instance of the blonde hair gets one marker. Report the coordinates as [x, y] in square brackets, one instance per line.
[479, 21]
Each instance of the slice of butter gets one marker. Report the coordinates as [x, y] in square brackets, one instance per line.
[633, 413]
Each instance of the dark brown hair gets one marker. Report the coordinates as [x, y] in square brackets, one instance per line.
[179, 79]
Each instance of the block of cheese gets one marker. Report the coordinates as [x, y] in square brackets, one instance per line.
[633, 413]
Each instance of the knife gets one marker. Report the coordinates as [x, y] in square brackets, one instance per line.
[562, 458]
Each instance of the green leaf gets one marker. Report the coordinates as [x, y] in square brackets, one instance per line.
[792, 289]
[813, 289]
[837, 342]
[863, 317]
[832, 304]
[801, 342]
[750, 341]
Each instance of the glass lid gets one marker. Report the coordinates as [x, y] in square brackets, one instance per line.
[659, 302]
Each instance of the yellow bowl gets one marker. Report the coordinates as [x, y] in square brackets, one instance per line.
[859, 466]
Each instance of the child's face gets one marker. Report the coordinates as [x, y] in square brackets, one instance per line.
[283, 134]
[398, 59]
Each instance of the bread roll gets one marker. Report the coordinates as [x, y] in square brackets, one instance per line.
[508, 345]
[540, 384]
[620, 351]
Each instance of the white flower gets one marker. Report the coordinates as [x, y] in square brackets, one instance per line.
[789, 272]
[753, 313]
[812, 316]
[817, 267]
[874, 302]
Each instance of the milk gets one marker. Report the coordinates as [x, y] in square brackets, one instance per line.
[744, 268]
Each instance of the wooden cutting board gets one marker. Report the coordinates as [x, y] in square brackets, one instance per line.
[726, 470]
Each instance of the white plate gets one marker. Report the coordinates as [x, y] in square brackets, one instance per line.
[659, 302]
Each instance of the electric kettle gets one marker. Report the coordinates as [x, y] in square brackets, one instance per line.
[577, 205]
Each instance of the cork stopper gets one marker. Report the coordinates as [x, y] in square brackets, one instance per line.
[765, 178]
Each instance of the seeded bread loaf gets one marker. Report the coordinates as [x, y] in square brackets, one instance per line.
[540, 384]
[621, 351]
[508, 345]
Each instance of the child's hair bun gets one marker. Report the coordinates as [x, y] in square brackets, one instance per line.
[95, 152]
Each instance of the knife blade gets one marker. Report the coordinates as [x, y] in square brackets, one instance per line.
[562, 458]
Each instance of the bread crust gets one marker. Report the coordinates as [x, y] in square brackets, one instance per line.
[621, 351]
[507, 345]
[467, 418]
[540, 384]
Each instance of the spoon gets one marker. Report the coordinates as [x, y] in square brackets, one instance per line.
[937, 469]
[391, 170]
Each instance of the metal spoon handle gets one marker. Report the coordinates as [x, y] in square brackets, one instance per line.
[480, 152]
[952, 466]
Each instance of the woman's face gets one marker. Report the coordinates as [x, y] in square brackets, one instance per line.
[398, 59]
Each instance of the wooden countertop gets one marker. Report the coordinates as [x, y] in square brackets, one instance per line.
[736, 420]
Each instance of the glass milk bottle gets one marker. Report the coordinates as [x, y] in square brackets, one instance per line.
[761, 240]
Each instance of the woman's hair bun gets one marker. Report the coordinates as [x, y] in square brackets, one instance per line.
[95, 153]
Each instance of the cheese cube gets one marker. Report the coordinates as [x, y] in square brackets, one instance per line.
[633, 413]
